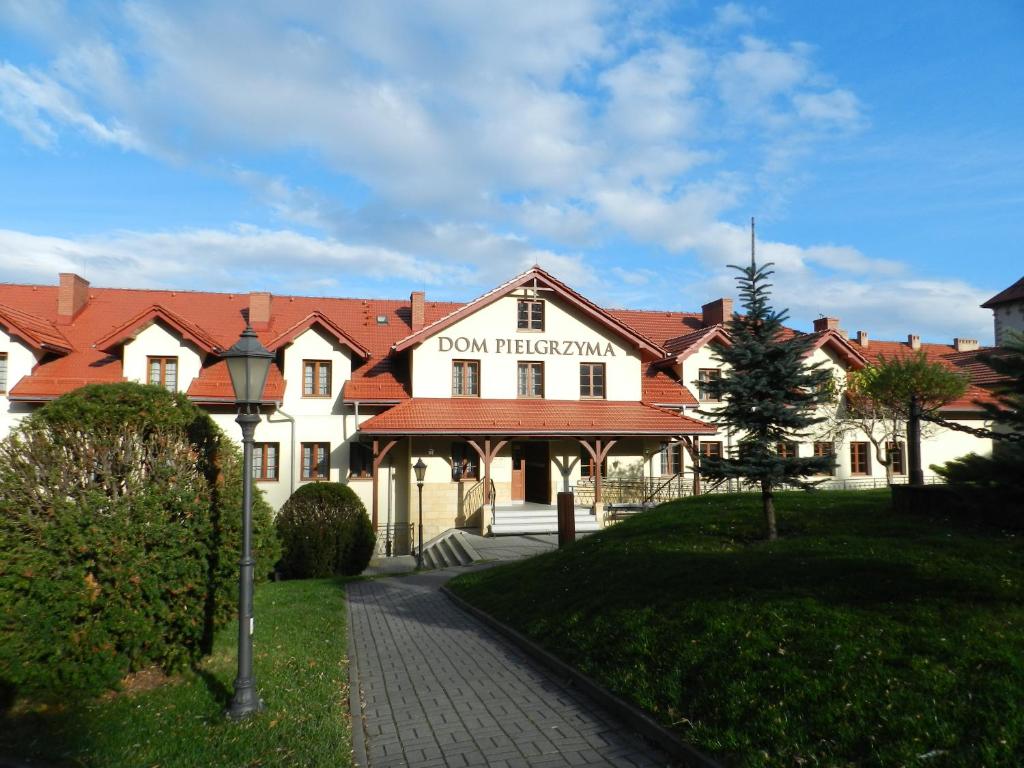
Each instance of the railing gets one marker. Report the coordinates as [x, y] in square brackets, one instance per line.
[394, 539]
[660, 490]
[633, 491]
[473, 499]
[836, 484]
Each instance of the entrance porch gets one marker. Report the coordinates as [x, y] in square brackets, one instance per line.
[496, 466]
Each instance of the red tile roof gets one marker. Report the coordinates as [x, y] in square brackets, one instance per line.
[947, 355]
[476, 416]
[661, 387]
[217, 318]
[1014, 293]
[40, 334]
[657, 326]
[213, 385]
[318, 318]
[131, 327]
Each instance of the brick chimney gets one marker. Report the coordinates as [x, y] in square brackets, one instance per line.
[914, 341]
[862, 338]
[716, 312]
[417, 299]
[72, 296]
[260, 303]
[965, 345]
[826, 324]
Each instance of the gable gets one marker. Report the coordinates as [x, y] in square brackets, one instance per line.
[535, 282]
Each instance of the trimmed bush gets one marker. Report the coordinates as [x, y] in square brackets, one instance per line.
[324, 531]
[119, 527]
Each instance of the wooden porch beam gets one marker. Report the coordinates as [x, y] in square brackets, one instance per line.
[378, 457]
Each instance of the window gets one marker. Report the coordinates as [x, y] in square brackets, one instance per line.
[671, 459]
[859, 459]
[316, 378]
[711, 449]
[316, 461]
[531, 380]
[786, 450]
[464, 462]
[592, 380]
[703, 377]
[466, 378]
[3, 371]
[587, 464]
[163, 372]
[531, 315]
[895, 452]
[825, 450]
[360, 461]
[264, 461]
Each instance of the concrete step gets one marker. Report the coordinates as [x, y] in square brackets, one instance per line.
[505, 525]
[448, 550]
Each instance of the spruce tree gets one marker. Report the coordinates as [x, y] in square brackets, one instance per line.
[769, 396]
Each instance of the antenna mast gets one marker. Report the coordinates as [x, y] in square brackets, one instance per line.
[752, 241]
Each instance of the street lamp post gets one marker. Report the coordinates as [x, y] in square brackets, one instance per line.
[248, 364]
[421, 471]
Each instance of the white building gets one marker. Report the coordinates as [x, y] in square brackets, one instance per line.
[531, 387]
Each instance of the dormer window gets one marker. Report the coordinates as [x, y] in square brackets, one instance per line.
[163, 372]
[316, 378]
[531, 315]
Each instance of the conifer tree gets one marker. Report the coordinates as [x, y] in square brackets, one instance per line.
[769, 396]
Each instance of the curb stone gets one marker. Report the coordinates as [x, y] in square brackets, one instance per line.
[355, 709]
[643, 723]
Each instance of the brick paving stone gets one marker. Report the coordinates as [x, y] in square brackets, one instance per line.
[438, 688]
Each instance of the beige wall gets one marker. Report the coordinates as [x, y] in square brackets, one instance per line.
[156, 340]
[20, 361]
[1008, 317]
[495, 326]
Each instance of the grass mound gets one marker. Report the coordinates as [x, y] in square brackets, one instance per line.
[300, 671]
[859, 638]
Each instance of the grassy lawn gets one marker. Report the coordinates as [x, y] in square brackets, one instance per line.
[301, 672]
[858, 639]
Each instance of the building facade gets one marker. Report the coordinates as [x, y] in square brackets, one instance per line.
[528, 390]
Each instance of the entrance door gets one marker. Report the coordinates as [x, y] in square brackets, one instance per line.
[538, 472]
[518, 472]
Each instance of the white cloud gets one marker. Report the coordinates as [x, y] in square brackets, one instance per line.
[243, 256]
[32, 103]
[488, 137]
[732, 15]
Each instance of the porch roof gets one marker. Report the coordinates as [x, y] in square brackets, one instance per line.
[538, 418]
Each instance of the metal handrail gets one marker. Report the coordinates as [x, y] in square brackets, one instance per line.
[394, 539]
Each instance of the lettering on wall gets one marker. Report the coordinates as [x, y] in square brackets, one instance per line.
[543, 346]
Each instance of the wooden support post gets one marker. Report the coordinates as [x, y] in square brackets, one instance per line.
[696, 465]
[598, 452]
[487, 454]
[693, 450]
[378, 456]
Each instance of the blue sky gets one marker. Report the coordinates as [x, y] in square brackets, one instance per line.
[372, 149]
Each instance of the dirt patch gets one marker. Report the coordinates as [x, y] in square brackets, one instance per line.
[140, 682]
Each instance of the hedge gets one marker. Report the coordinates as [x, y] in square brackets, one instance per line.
[119, 524]
[994, 506]
[324, 531]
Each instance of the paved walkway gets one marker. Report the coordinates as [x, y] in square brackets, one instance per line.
[438, 688]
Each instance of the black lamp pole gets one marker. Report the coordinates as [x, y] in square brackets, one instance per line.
[421, 470]
[248, 364]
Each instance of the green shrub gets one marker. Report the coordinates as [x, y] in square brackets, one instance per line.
[324, 531]
[119, 518]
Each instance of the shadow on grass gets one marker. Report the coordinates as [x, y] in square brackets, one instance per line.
[219, 691]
